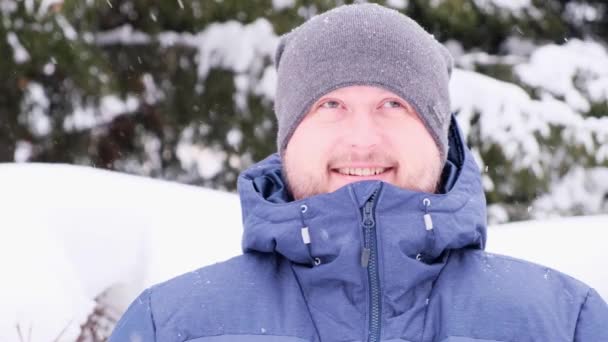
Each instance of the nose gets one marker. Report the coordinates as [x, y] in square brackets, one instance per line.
[363, 130]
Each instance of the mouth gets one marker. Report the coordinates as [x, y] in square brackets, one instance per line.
[362, 172]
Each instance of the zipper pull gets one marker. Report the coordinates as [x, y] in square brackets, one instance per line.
[365, 257]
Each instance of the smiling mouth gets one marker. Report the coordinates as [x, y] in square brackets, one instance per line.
[362, 171]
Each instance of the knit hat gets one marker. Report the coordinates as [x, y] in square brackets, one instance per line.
[362, 44]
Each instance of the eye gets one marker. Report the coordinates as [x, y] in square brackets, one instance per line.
[392, 104]
[330, 104]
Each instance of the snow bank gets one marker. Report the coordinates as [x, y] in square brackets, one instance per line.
[70, 233]
[574, 245]
[41, 293]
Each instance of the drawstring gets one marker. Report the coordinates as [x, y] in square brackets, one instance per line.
[430, 236]
[428, 221]
[306, 235]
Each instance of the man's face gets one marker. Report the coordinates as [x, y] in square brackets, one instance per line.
[360, 133]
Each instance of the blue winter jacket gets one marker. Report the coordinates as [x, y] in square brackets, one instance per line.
[368, 262]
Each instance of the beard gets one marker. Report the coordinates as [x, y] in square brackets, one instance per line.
[303, 183]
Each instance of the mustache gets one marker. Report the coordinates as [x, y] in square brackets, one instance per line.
[376, 157]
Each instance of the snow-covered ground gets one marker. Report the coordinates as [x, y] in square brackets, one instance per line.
[574, 245]
[70, 233]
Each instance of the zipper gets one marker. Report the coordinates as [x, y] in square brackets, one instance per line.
[369, 259]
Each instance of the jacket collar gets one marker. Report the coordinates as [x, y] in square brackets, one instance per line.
[273, 222]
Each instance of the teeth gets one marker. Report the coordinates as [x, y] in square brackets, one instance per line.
[361, 171]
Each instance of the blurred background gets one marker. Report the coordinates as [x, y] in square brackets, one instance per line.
[183, 89]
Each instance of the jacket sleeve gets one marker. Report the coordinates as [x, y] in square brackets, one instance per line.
[592, 324]
[137, 324]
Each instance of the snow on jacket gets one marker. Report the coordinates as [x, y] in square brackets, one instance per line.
[368, 262]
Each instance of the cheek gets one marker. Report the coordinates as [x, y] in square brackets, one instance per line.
[414, 144]
[309, 148]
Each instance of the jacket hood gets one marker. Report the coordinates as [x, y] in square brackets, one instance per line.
[273, 222]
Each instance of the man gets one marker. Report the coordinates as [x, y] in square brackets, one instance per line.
[369, 224]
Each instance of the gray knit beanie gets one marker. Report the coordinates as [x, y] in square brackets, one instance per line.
[362, 44]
